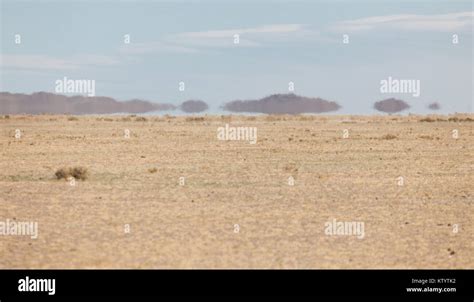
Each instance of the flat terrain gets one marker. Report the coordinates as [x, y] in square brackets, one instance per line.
[127, 215]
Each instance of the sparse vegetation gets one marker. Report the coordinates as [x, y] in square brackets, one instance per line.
[389, 136]
[140, 119]
[72, 118]
[306, 118]
[153, 170]
[428, 120]
[273, 118]
[77, 172]
[426, 137]
[195, 119]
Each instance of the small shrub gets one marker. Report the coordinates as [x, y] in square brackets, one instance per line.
[79, 173]
[62, 173]
[427, 119]
[141, 119]
[426, 137]
[72, 118]
[6, 117]
[389, 136]
[194, 119]
[153, 170]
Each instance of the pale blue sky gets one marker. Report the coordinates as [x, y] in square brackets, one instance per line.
[280, 41]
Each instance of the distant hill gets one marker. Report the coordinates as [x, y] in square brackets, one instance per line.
[44, 102]
[391, 105]
[193, 106]
[283, 104]
[434, 106]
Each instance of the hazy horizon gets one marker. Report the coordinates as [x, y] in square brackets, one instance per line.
[279, 42]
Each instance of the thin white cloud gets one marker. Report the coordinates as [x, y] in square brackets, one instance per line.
[248, 37]
[193, 42]
[44, 62]
[154, 47]
[265, 29]
[442, 22]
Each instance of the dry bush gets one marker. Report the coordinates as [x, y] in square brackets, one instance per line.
[126, 119]
[195, 119]
[389, 136]
[427, 119]
[456, 119]
[107, 119]
[72, 118]
[62, 173]
[153, 170]
[6, 116]
[141, 119]
[426, 137]
[77, 172]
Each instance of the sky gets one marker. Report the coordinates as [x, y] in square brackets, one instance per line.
[279, 42]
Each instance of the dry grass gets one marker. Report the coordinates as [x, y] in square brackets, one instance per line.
[228, 183]
[195, 119]
[389, 137]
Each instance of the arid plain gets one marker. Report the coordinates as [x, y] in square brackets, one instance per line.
[408, 178]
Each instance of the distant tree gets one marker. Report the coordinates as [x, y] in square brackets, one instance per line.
[193, 106]
[434, 106]
[289, 103]
[391, 105]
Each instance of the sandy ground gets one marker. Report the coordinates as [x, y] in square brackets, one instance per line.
[124, 216]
